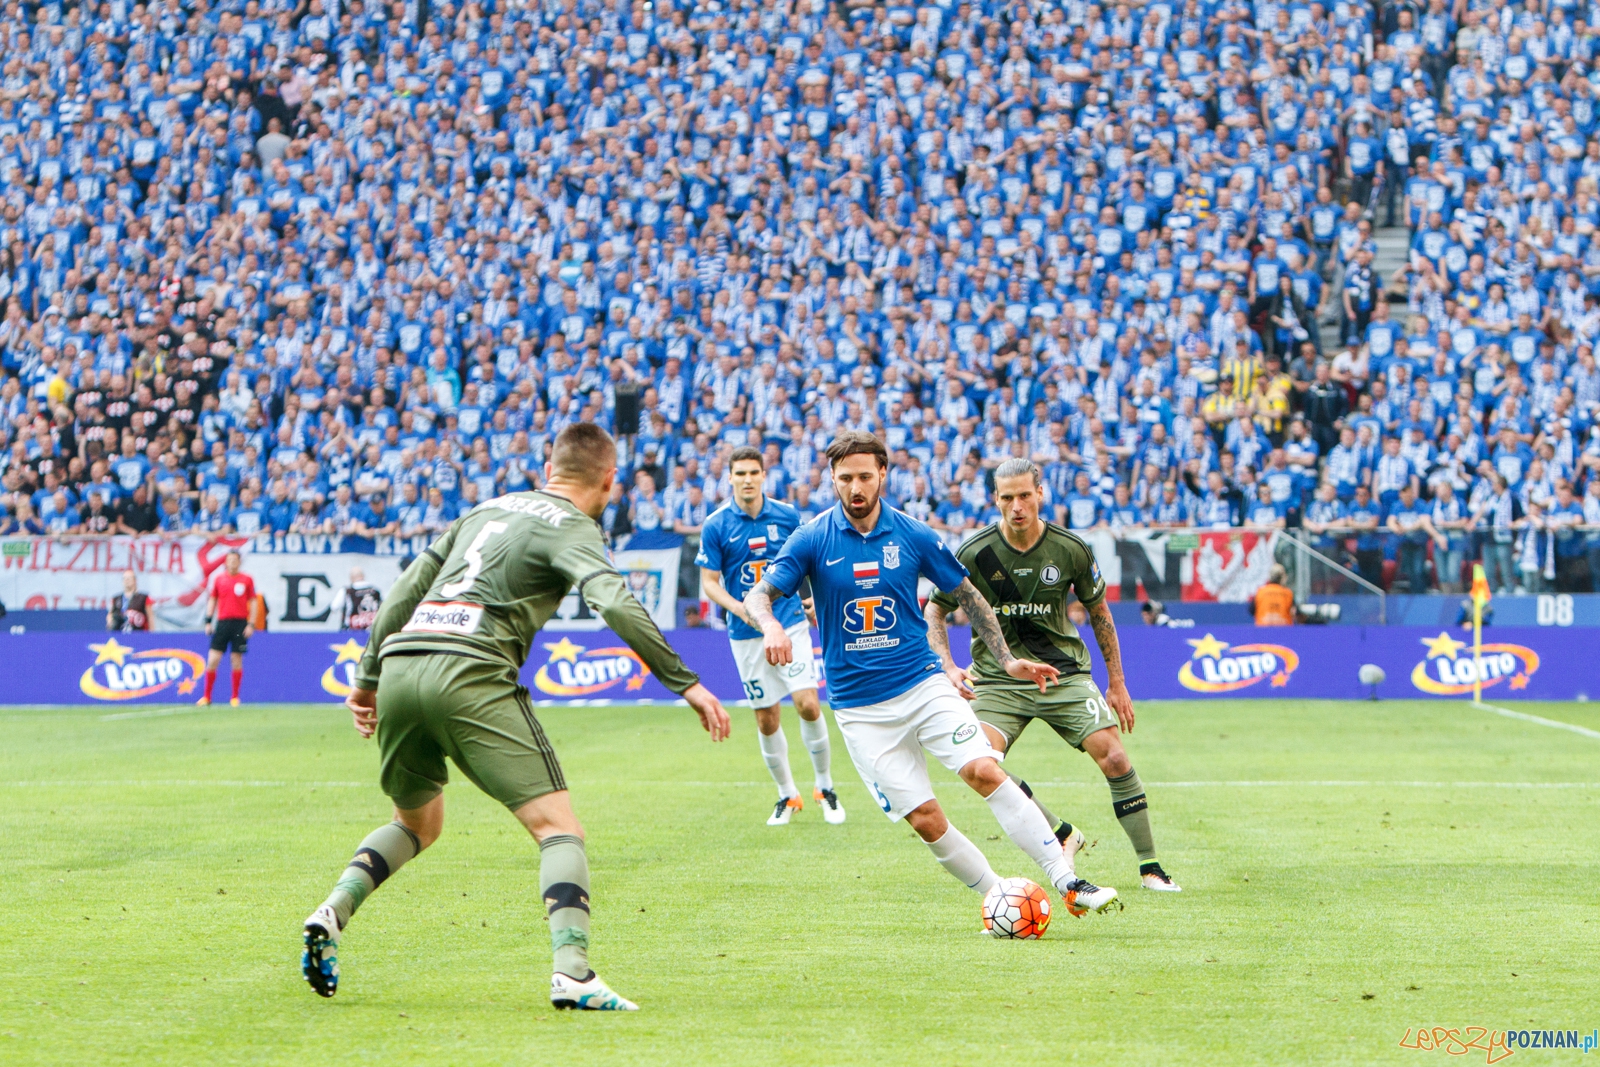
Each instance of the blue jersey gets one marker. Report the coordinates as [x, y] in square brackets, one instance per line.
[741, 548]
[874, 642]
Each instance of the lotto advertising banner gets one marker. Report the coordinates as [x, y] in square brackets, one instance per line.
[1322, 662]
[299, 576]
[1227, 566]
[596, 667]
[567, 666]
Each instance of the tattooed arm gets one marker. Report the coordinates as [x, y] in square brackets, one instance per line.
[774, 641]
[986, 628]
[939, 640]
[1105, 635]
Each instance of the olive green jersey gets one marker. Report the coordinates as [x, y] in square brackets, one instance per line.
[497, 575]
[1029, 593]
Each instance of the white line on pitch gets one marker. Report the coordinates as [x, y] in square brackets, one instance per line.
[1525, 717]
[157, 713]
[178, 782]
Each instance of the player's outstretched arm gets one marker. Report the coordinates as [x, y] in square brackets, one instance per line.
[774, 640]
[609, 596]
[1105, 635]
[939, 641]
[412, 585]
[407, 592]
[987, 629]
[712, 589]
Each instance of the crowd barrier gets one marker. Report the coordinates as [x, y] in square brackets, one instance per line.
[595, 667]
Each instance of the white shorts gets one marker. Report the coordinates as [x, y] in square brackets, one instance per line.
[764, 684]
[888, 742]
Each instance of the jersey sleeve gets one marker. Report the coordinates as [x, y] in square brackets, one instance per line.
[936, 562]
[406, 593]
[793, 562]
[583, 563]
[944, 599]
[1087, 581]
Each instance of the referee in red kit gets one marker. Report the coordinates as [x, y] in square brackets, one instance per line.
[228, 622]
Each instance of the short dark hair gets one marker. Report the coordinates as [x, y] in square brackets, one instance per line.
[856, 443]
[747, 452]
[583, 452]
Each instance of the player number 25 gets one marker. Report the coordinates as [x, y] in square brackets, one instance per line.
[474, 557]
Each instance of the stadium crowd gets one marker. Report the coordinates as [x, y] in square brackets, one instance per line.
[332, 266]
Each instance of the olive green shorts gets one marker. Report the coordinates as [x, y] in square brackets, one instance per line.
[1073, 708]
[433, 705]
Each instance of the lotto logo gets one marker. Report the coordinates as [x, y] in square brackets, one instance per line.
[869, 615]
[753, 570]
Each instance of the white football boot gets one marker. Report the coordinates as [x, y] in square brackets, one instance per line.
[319, 960]
[1151, 876]
[1082, 897]
[784, 811]
[593, 995]
[832, 810]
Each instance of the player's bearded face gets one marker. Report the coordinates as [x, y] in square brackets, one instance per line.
[858, 481]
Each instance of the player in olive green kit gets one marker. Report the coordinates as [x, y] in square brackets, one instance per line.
[439, 678]
[1025, 568]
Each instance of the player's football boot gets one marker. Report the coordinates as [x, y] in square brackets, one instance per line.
[1082, 897]
[319, 962]
[1151, 876]
[784, 810]
[593, 995]
[233, 703]
[1071, 838]
[832, 810]
[203, 702]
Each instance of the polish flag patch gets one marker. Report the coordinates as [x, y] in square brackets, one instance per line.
[867, 570]
[757, 544]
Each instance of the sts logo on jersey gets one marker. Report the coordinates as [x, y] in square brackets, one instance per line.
[870, 617]
[752, 570]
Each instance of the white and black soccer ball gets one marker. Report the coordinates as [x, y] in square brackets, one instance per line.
[1016, 908]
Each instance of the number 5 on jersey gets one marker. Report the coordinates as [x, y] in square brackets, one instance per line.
[474, 558]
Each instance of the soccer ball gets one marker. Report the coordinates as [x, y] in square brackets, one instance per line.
[1016, 908]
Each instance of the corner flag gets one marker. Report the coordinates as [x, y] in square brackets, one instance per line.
[1480, 597]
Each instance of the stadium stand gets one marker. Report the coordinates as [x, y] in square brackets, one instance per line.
[345, 267]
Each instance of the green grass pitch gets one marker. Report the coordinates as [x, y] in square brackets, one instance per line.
[1434, 865]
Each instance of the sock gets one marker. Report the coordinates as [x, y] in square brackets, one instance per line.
[814, 732]
[237, 677]
[961, 858]
[384, 851]
[1061, 827]
[564, 884]
[1020, 819]
[211, 680]
[1132, 811]
[775, 750]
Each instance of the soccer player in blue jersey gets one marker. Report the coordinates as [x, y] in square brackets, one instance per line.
[890, 695]
[737, 543]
